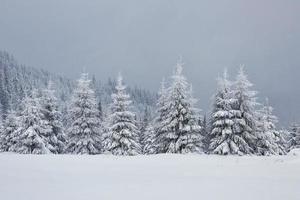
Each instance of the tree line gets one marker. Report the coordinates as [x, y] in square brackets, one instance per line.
[237, 124]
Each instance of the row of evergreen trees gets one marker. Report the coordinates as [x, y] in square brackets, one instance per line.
[237, 124]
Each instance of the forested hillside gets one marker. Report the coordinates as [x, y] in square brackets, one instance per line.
[17, 80]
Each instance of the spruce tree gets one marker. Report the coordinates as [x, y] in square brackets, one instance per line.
[1, 127]
[84, 131]
[294, 136]
[30, 138]
[121, 137]
[56, 138]
[158, 126]
[205, 133]
[245, 115]
[223, 139]
[10, 131]
[143, 126]
[149, 146]
[177, 129]
[270, 140]
[100, 110]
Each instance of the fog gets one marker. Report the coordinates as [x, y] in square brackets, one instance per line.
[143, 40]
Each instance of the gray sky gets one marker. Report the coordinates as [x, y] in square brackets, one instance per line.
[143, 38]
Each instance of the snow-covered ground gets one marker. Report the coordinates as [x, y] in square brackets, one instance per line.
[168, 177]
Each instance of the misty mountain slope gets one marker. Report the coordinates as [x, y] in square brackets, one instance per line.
[17, 80]
[158, 177]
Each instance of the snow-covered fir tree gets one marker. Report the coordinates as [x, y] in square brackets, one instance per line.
[122, 134]
[100, 110]
[9, 132]
[153, 141]
[30, 138]
[1, 124]
[148, 134]
[149, 146]
[1, 114]
[56, 138]
[177, 126]
[84, 131]
[244, 115]
[294, 136]
[270, 140]
[205, 134]
[285, 133]
[223, 139]
[143, 125]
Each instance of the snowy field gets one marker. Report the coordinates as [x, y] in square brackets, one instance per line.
[168, 177]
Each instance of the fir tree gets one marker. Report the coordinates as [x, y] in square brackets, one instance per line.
[294, 136]
[223, 139]
[100, 110]
[84, 131]
[245, 119]
[143, 125]
[159, 127]
[205, 133]
[56, 138]
[178, 129]
[30, 137]
[10, 131]
[2, 115]
[149, 146]
[121, 137]
[270, 140]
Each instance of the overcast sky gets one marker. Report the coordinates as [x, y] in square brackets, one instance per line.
[143, 39]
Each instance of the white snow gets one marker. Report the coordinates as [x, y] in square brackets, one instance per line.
[168, 177]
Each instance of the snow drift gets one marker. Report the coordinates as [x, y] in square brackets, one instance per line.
[47, 177]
